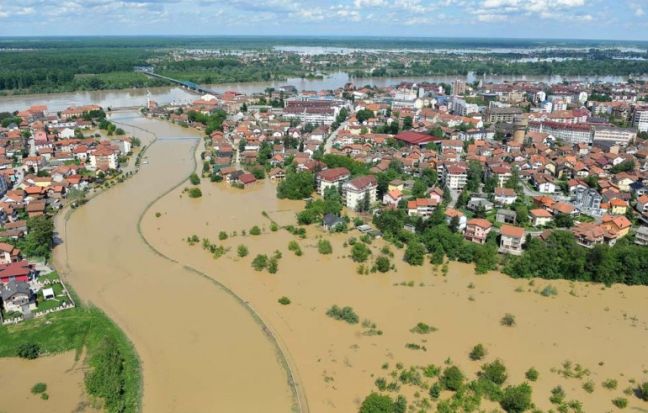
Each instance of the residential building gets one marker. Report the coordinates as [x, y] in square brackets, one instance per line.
[334, 177]
[451, 213]
[104, 157]
[540, 217]
[642, 204]
[458, 87]
[17, 297]
[357, 191]
[641, 236]
[544, 184]
[618, 206]
[421, 207]
[8, 253]
[392, 198]
[455, 176]
[511, 239]
[589, 234]
[505, 196]
[477, 230]
[607, 136]
[618, 225]
[506, 216]
[640, 118]
[502, 114]
[587, 199]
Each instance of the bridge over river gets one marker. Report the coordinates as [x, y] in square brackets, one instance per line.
[182, 83]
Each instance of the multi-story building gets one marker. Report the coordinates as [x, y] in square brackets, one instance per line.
[640, 118]
[455, 176]
[334, 177]
[641, 236]
[569, 133]
[458, 87]
[608, 136]
[587, 199]
[502, 114]
[462, 108]
[358, 190]
[104, 157]
[313, 110]
[477, 230]
[511, 239]
[421, 207]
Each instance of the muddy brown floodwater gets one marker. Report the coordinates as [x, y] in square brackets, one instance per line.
[605, 330]
[62, 373]
[201, 350]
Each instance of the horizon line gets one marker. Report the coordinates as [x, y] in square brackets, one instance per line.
[315, 37]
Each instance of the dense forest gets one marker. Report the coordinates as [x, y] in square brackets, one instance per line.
[73, 69]
[37, 65]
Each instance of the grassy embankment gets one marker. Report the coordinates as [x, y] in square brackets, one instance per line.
[114, 378]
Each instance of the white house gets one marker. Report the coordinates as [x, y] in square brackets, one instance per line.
[358, 189]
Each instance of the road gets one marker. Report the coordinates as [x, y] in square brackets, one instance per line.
[328, 142]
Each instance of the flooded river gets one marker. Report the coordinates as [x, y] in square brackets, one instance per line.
[166, 95]
[201, 350]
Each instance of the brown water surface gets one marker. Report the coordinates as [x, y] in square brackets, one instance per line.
[62, 373]
[603, 329]
[201, 350]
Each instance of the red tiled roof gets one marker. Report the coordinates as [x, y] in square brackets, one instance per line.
[416, 138]
[333, 174]
[512, 231]
[480, 222]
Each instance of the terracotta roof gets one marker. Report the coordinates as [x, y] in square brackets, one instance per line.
[415, 138]
[505, 192]
[363, 182]
[540, 213]
[451, 213]
[333, 174]
[512, 231]
[480, 222]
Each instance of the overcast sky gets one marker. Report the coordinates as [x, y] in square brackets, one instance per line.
[583, 19]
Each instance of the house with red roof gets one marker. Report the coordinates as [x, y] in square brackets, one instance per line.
[540, 217]
[359, 189]
[246, 179]
[9, 253]
[512, 239]
[477, 230]
[333, 177]
[392, 198]
[17, 271]
[421, 207]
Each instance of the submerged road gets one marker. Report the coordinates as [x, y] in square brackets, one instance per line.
[201, 350]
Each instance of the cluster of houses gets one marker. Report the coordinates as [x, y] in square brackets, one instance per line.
[43, 156]
[570, 156]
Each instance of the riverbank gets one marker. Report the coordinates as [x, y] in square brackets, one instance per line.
[339, 363]
[79, 333]
[200, 350]
[132, 97]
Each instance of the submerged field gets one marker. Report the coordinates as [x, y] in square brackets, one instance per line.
[576, 335]
[72, 343]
